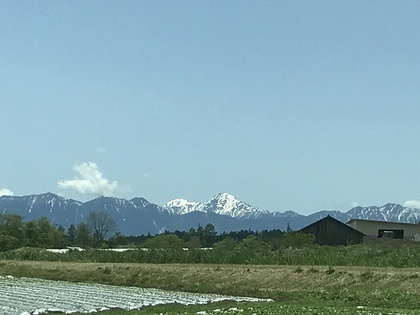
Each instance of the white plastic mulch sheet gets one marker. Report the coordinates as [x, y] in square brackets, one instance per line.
[34, 296]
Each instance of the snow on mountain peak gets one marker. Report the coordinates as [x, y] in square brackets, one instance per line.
[222, 203]
[227, 204]
[182, 206]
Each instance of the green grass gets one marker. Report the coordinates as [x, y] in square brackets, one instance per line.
[263, 309]
[389, 253]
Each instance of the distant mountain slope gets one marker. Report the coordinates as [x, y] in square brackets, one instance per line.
[48, 205]
[390, 212]
[139, 216]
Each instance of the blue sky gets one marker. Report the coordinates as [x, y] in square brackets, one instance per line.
[288, 105]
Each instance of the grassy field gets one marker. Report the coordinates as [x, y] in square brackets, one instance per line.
[266, 309]
[294, 289]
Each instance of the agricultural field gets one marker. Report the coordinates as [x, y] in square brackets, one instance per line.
[293, 289]
[20, 295]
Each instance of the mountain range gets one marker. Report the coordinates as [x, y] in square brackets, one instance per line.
[138, 216]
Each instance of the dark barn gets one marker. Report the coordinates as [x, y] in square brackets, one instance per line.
[329, 231]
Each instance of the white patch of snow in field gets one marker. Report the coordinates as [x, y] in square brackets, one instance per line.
[58, 250]
[118, 250]
[66, 250]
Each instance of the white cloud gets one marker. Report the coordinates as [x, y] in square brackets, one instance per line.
[415, 204]
[5, 192]
[89, 181]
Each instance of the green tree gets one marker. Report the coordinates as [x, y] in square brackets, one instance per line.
[190, 234]
[82, 235]
[12, 225]
[61, 239]
[164, 241]
[47, 235]
[117, 239]
[200, 233]
[227, 243]
[42, 233]
[297, 240]
[71, 233]
[8, 242]
[209, 236]
[32, 233]
[194, 242]
[253, 244]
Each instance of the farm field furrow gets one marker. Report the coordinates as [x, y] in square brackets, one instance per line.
[19, 295]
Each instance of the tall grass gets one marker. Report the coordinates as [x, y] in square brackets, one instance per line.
[389, 254]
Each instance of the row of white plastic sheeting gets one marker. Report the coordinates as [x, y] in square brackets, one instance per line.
[35, 296]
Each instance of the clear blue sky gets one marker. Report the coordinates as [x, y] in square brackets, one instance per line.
[288, 105]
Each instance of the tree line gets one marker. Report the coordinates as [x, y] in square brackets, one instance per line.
[99, 230]
[42, 233]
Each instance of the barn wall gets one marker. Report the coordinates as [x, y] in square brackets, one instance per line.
[329, 231]
[370, 228]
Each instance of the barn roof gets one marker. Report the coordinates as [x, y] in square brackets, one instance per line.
[382, 222]
[330, 218]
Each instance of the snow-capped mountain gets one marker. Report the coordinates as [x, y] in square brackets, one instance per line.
[226, 204]
[138, 216]
[223, 204]
[182, 206]
[390, 212]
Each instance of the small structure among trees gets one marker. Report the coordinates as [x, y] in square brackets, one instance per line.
[330, 231]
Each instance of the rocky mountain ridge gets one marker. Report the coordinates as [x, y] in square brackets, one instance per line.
[139, 216]
[223, 204]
